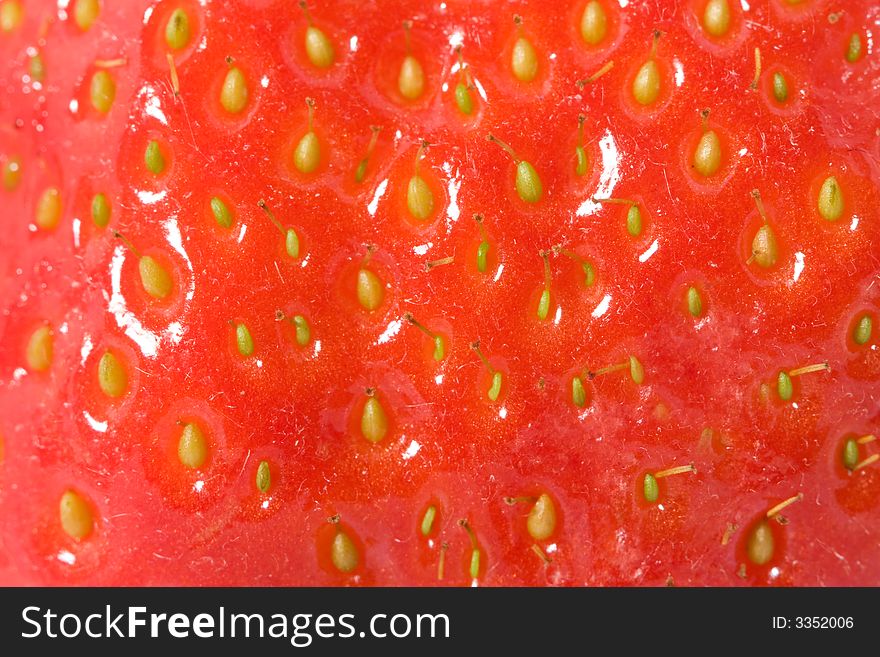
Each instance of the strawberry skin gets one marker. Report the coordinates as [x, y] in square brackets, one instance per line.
[325, 443]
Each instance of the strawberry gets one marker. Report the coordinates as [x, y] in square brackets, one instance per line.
[486, 293]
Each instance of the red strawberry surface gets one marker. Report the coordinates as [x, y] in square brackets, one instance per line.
[268, 413]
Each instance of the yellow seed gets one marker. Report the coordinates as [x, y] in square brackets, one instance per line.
[85, 12]
[374, 421]
[192, 448]
[765, 250]
[11, 173]
[102, 91]
[646, 84]
[830, 199]
[75, 515]
[636, 371]
[234, 94]
[419, 199]
[264, 477]
[760, 544]
[112, 376]
[707, 157]
[307, 155]
[524, 60]
[101, 210]
[177, 30]
[303, 330]
[542, 518]
[594, 23]
[155, 278]
[48, 212]
[11, 14]
[370, 291]
[344, 553]
[38, 353]
[716, 17]
[411, 79]
[319, 49]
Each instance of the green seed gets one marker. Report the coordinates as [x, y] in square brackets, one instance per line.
[307, 155]
[636, 371]
[102, 91]
[854, 48]
[650, 488]
[707, 157]
[528, 184]
[243, 340]
[75, 514]
[112, 377]
[11, 173]
[192, 448]
[419, 198]
[646, 84]
[760, 545]
[780, 87]
[784, 386]
[862, 331]
[830, 201]
[48, 210]
[495, 388]
[582, 164]
[344, 553]
[100, 210]
[319, 49]
[155, 278]
[463, 99]
[634, 221]
[234, 94]
[361, 171]
[153, 158]
[594, 23]
[716, 17]
[475, 563]
[428, 520]
[411, 79]
[439, 348]
[302, 329]
[544, 305]
[694, 302]
[374, 421]
[524, 60]
[85, 12]
[764, 248]
[177, 30]
[264, 477]
[589, 273]
[291, 243]
[482, 256]
[578, 393]
[221, 212]
[850, 455]
[370, 292]
[37, 68]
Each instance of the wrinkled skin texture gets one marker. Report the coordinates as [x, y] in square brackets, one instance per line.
[159, 523]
